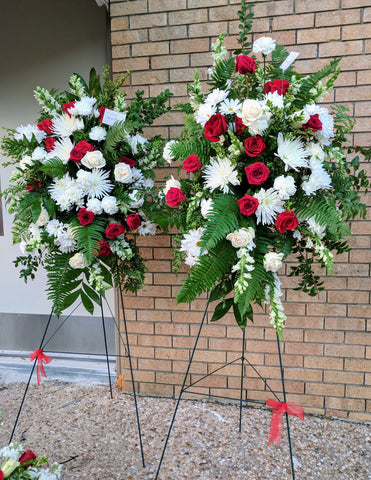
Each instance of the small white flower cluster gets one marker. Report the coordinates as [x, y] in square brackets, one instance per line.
[96, 279]
[276, 310]
[244, 266]
[44, 474]
[191, 245]
[121, 247]
[13, 451]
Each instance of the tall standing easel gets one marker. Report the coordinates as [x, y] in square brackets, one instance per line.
[242, 401]
[124, 343]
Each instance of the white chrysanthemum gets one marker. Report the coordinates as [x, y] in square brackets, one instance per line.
[168, 156]
[216, 96]
[28, 131]
[74, 195]
[206, 206]
[137, 177]
[59, 186]
[136, 201]
[327, 121]
[84, 107]
[275, 99]
[318, 179]
[54, 227]
[39, 154]
[316, 228]
[147, 183]
[99, 184]
[62, 149]
[94, 205]
[109, 205]
[191, 260]
[147, 227]
[191, 243]
[135, 141]
[220, 174]
[65, 241]
[78, 261]
[171, 183]
[97, 133]
[270, 205]
[291, 152]
[315, 150]
[204, 113]
[64, 125]
[285, 186]
[230, 106]
[83, 179]
[272, 261]
[265, 45]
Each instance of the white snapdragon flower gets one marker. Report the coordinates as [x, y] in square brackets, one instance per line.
[168, 156]
[135, 141]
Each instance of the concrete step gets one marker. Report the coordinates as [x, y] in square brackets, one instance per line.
[15, 366]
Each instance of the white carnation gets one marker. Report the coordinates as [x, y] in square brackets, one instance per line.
[97, 133]
[265, 45]
[94, 205]
[285, 186]
[109, 205]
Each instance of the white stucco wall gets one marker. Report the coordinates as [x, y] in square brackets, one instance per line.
[42, 43]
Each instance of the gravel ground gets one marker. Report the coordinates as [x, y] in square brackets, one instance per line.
[64, 420]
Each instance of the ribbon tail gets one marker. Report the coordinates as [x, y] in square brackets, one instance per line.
[276, 427]
[38, 373]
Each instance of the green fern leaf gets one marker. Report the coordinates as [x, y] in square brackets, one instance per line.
[62, 280]
[88, 237]
[220, 221]
[54, 167]
[222, 73]
[211, 269]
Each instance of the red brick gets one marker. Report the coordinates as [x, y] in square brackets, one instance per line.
[358, 338]
[344, 377]
[148, 21]
[189, 46]
[345, 404]
[150, 48]
[320, 35]
[206, 29]
[326, 363]
[352, 32]
[357, 365]
[336, 49]
[188, 17]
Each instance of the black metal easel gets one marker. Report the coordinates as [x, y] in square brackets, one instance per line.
[242, 401]
[125, 343]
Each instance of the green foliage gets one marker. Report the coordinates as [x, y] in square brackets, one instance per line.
[143, 112]
[221, 220]
[311, 81]
[61, 279]
[245, 16]
[222, 73]
[87, 236]
[54, 167]
[211, 269]
[279, 55]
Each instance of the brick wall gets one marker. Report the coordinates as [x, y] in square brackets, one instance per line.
[326, 346]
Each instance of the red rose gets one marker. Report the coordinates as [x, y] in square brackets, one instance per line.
[47, 127]
[192, 164]
[279, 86]
[286, 221]
[214, 127]
[248, 205]
[32, 186]
[240, 127]
[254, 146]
[27, 456]
[129, 161]
[101, 113]
[79, 151]
[175, 197]
[245, 64]
[114, 230]
[49, 143]
[1, 475]
[314, 123]
[257, 173]
[104, 250]
[67, 106]
[134, 221]
[85, 216]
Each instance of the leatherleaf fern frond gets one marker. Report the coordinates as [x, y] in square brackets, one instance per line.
[222, 73]
[210, 269]
[183, 148]
[221, 220]
[117, 134]
[311, 81]
[54, 168]
[325, 212]
[62, 279]
[87, 237]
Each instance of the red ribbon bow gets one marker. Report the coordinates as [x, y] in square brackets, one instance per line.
[41, 360]
[278, 410]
